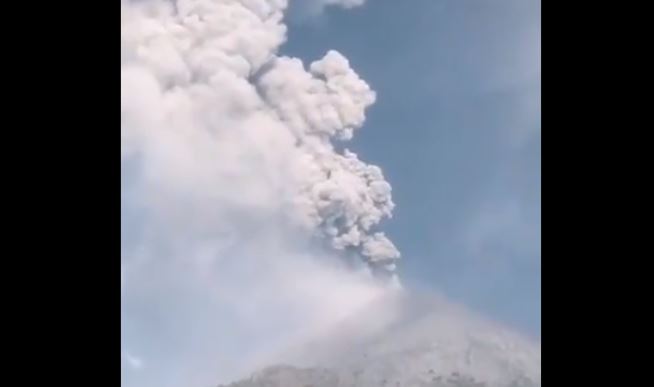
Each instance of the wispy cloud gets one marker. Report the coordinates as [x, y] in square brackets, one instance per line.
[134, 362]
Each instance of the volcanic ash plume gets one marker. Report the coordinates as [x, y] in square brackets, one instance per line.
[238, 211]
[214, 116]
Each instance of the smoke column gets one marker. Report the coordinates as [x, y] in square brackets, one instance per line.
[207, 103]
[244, 227]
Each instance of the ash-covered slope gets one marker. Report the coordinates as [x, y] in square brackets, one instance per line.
[408, 341]
[288, 376]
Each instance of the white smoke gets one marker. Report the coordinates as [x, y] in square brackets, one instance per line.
[207, 103]
[245, 227]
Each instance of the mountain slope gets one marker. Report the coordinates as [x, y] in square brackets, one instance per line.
[288, 376]
[408, 340]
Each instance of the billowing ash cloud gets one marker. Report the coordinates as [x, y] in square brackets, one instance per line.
[207, 104]
[244, 226]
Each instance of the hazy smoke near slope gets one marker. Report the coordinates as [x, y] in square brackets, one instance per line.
[408, 340]
[243, 227]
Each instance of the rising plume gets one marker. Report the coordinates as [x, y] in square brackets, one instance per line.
[246, 222]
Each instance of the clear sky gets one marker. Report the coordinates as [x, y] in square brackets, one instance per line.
[457, 131]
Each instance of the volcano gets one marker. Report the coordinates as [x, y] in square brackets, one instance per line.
[406, 340]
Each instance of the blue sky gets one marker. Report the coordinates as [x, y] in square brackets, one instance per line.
[456, 129]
